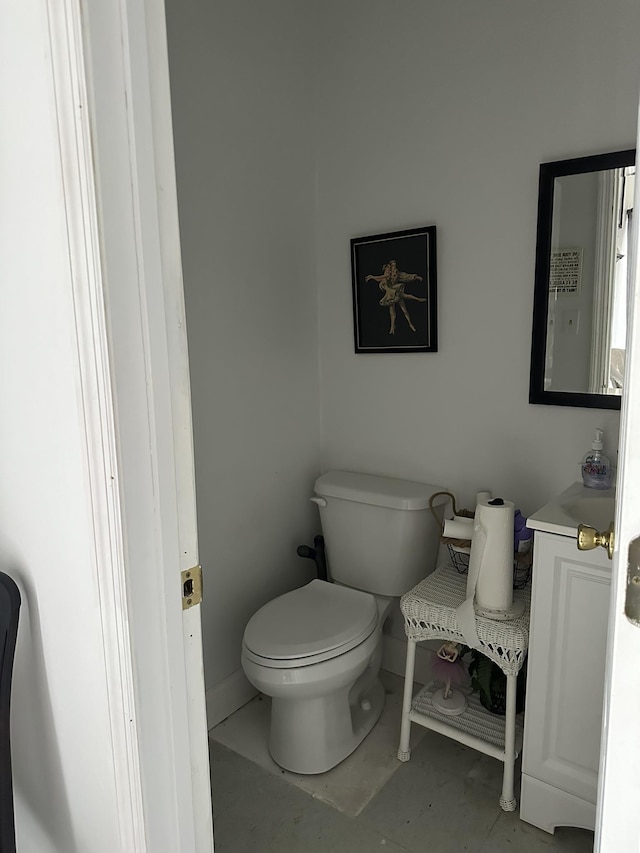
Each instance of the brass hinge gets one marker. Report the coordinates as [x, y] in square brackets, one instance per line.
[632, 597]
[191, 587]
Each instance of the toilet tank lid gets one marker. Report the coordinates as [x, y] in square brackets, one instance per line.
[376, 490]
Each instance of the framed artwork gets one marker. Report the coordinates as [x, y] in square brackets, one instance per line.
[394, 291]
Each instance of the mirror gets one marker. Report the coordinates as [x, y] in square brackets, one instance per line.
[579, 311]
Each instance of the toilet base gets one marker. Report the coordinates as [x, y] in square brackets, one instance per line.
[311, 736]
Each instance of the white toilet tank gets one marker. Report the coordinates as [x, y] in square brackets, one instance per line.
[380, 535]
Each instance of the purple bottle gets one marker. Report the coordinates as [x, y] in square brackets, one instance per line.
[522, 535]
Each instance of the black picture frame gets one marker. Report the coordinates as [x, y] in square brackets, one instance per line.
[546, 192]
[395, 291]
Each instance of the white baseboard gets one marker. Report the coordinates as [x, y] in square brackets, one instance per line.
[394, 657]
[226, 697]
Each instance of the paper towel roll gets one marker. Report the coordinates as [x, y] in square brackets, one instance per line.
[458, 527]
[491, 560]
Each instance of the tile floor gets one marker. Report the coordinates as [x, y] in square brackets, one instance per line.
[444, 800]
[351, 785]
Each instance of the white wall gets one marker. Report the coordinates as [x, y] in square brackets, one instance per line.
[63, 766]
[440, 113]
[423, 113]
[242, 112]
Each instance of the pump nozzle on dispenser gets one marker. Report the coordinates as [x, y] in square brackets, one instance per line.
[597, 441]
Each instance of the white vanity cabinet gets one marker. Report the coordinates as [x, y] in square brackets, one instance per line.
[565, 683]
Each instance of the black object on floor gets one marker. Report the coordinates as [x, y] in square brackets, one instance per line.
[9, 611]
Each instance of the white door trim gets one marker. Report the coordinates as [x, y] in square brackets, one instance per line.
[96, 403]
[604, 278]
[113, 113]
[180, 390]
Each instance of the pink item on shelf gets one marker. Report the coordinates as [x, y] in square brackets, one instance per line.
[447, 667]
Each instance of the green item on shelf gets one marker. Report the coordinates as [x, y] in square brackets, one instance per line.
[490, 682]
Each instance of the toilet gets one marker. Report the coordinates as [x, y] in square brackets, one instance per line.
[316, 651]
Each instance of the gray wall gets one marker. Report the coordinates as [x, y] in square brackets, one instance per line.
[440, 113]
[242, 113]
[299, 124]
[65, 791]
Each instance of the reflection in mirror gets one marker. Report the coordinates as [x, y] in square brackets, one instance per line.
[579, 321]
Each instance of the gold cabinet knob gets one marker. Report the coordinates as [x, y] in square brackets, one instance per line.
[589, 538]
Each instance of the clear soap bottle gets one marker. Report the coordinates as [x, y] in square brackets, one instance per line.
[596, 467]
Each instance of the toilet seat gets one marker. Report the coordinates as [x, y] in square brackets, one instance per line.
[308, 625]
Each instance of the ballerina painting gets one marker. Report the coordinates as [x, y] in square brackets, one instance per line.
[399, 315]
[392, 283]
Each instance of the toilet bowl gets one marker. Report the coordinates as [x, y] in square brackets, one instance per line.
[316, 651]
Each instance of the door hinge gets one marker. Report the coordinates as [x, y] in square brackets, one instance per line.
[191, 587]
[632, 597]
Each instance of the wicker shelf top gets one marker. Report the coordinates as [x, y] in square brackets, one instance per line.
[429, 611]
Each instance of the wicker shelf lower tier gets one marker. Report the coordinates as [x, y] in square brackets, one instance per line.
[477, 727]
[430, 612]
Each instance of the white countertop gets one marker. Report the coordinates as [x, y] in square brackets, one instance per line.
[574, 506]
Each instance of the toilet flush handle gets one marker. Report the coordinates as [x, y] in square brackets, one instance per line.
[319, 501]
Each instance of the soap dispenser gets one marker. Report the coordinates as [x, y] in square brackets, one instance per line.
[596, 467]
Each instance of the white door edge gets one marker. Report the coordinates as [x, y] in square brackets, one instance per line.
[96, 403]
[179, 379]
[618, 817]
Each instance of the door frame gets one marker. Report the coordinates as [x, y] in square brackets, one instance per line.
[111, 81]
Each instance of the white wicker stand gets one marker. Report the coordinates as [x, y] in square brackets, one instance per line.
[429, 611]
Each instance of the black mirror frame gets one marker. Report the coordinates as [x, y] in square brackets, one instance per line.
[548, 173]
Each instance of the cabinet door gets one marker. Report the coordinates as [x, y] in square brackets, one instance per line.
[565, 684]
